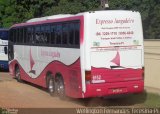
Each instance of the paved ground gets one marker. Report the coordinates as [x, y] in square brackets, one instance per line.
[24, 95]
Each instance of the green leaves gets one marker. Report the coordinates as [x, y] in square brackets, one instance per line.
[16, 11]
[72, 6]
[150, 11]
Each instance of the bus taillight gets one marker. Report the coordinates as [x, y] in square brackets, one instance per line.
[88, 75]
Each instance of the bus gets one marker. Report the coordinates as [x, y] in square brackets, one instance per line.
[90, 54]
[3, 49]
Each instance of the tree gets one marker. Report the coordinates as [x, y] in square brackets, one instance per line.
[150, 11]
[15, 11]
[73, 6]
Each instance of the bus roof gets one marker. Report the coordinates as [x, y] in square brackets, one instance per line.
[54, 18]
[49, 17]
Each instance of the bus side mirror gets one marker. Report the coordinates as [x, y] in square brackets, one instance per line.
[5, 50]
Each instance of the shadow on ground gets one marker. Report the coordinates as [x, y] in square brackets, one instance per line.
[2, 70]
[127, 100]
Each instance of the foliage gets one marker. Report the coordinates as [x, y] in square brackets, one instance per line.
[73, 6]
[15, 11]
[150, 11]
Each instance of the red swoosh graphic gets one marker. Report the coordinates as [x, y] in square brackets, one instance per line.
[116, 60]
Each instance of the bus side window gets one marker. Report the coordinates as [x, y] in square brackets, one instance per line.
[33, 35]
[37, 34]
[25, 35]
[20, 35]
[58, 34]
[30, 31]
[42, 37]
[65, 34]
[53, 28]
[14, 35]
[17, 35]
[71, 34]
[47, 34]
[28, 34]
[77, 34]
[42, 34]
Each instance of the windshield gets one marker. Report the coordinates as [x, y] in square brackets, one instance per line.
[4, 35]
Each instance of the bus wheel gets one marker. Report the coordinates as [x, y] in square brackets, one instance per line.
[17, 74]
[60, 87]
[51, 85]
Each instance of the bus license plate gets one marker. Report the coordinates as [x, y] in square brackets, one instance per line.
[119, 90]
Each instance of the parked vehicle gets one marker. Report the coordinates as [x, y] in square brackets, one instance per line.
[3, 49]
[91, 54]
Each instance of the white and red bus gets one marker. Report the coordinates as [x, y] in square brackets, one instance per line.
[91, 54]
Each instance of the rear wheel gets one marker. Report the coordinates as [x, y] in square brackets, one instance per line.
[17, 74]
[60, 88]
[51, 85]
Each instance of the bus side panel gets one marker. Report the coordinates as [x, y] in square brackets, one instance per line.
[71, 75]
[24, 76]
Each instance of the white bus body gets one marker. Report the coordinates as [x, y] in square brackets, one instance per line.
[107, 58]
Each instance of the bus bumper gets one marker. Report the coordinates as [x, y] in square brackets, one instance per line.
[111, 89]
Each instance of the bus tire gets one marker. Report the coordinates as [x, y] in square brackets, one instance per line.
[60, 88]
[51, 85]
[17, 74]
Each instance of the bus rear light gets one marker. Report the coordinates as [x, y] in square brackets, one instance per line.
[88, 75]
[136, 86]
